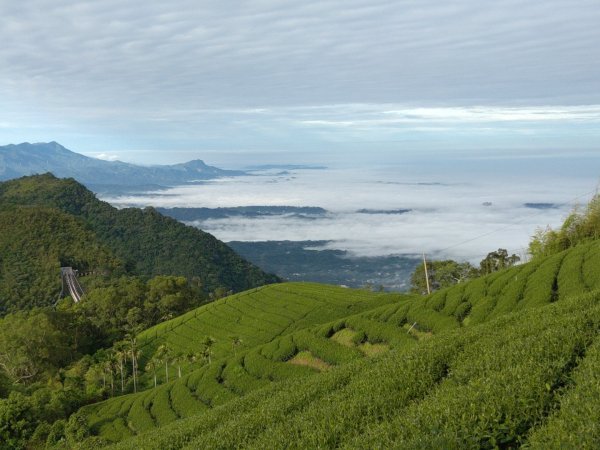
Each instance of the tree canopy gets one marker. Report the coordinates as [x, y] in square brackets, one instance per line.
[441, 274]
[582, 225]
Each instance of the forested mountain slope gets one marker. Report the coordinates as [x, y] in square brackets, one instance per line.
[402, 373]
[34, 244]
[143, 241]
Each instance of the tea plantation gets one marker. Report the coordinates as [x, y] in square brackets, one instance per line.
[506, 360]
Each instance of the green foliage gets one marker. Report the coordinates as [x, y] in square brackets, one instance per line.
[32, 344]
[34, 244]
[486, 386]
[149, 243]
[325, 349]
[497, 260]
[255, 317]
[272, 320]
[517, 367]
[575, 421]
[42, 351]
[441, 274]
[500, 361]
[76, 428]
[580, 226]
[24, 417]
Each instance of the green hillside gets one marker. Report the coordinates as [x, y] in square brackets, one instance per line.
[258, 316]
[524, 378]
[143, 242]
[486, 363]
[34, 244]
[266, 315]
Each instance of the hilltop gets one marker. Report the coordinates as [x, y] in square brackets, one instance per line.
[500, 361]
[29, 159]
[48, 222]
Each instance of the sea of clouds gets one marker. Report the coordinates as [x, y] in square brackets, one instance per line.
[461, 211]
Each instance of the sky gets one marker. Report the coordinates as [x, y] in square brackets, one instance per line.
[333, 82]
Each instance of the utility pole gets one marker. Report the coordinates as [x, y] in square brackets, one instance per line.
[426, 274]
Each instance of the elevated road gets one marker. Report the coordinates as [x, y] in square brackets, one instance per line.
[70, 284]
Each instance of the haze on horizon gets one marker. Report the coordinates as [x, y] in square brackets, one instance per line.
[334, 82]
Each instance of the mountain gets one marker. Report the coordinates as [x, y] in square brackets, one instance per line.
[48, 222]
[34, 244]
[29, 159]
[507, 360]
[510, 359]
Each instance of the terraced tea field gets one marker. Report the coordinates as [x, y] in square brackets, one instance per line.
[258, 316]
[392, 370]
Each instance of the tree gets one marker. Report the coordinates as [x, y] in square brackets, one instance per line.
[498, 260]
[168, 296]
[151, 366]
[191, 357]
[109, 367]
[135, 354]
[120, 354]
[31, 344]
[207, 348]
[236, 341]
[95, 376]
[441, 274]
[542, 242]
[579, 226]
[16, 420]
[178, 359]
[165, 354]
[76, 428]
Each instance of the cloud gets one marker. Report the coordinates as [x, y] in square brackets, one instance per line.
[224, 74]
[449, 219]
[106, 156]
[430, 118]
[284, 52]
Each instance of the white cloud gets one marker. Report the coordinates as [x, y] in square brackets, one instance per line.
[373, 116]
[444, 215]
[294, 75]
[106, 156]
[180, 53]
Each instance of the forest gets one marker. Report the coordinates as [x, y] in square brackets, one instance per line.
[166, 360]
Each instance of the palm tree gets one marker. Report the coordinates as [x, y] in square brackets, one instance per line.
[152, 366]
[180, 358]
[108, 368]
[207, 350]
[191, 357]
[101, 367]
[165, 355]
[135, 355]
[121, 358]
[235, 343]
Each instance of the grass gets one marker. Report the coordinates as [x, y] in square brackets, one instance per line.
[307, 359]
[345, 337]
[465, 376]
[373, 349]
[255, 317]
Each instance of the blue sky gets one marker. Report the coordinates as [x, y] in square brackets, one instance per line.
[276, 81]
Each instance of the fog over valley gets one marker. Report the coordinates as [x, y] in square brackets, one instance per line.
[461, 209]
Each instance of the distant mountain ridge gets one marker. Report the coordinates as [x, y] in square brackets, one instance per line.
[30, 159]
